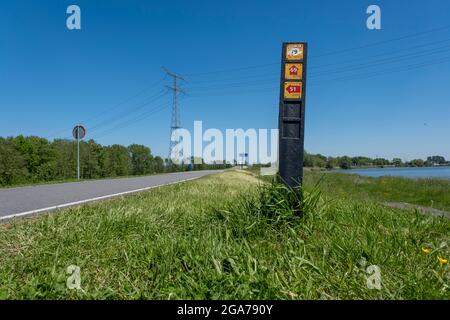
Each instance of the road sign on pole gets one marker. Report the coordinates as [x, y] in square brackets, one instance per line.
[291, 119]
[243, 155]
[79, 132]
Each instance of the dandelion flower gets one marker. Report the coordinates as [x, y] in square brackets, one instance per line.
[426, 250]
[442, 260]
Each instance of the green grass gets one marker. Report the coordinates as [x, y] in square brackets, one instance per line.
[218, 238]
[428, 192]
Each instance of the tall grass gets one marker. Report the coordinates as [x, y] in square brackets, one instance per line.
[280, 203]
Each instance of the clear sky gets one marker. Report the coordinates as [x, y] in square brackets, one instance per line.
[387, 100]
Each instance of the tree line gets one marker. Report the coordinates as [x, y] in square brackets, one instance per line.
[34, 159]
[345, 162]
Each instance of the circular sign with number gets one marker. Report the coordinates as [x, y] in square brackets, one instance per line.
[79, 132]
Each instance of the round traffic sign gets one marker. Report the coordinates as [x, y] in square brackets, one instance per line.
[79, 132]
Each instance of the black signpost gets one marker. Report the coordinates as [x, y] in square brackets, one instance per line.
[291, 121]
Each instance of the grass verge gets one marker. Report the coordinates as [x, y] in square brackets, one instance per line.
[218, 238]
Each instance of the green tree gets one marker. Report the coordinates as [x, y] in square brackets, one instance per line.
[331, 163]
[141, 159]
[361, 161]
[65, 158]
[345, 162]
[436, 160]
[397, 162]
[417, 163]
[92, 160]
[118, 162]
[381, 162]
[314, 160]
[39, 157]
[12, 164]
[157, 165]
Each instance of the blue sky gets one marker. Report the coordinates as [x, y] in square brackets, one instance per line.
[358, 101]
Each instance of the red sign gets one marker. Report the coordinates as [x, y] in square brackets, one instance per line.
[293, 90]
[293, 71]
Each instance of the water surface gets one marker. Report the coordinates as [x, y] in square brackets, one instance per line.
[424, 172]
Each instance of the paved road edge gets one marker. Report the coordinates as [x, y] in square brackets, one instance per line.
[75, 203]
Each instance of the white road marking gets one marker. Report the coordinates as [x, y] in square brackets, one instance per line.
[65, 205]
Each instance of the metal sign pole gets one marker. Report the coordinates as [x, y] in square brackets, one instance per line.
[291, 120]
[78, 154]
[79, 132]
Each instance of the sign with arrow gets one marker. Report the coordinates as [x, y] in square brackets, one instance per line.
[293, 90]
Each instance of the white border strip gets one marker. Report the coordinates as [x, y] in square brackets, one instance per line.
[70, 204]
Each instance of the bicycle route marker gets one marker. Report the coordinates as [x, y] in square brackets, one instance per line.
[291, 119]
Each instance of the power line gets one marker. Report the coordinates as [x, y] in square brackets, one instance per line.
[390, 60]
[107, 110]
[274, 90]
[270, 89]
[134, 120]
[373, 44]
[334, 80]
[386, 71]
[127, 100]
[233, 69]
[370, 64]
[128, 112]
[353, 59]
[350, 67]
[313, 75]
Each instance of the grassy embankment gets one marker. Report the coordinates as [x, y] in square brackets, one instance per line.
[218, 238]
[427, 192]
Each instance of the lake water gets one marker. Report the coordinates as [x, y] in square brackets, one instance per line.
[432, 172]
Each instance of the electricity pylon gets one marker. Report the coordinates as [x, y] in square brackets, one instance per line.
[175, 122]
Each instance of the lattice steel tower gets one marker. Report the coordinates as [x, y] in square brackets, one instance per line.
[175, 122]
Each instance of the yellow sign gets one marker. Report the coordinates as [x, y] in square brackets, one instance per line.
[293, 71]
[293, 90]
[294, 51]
